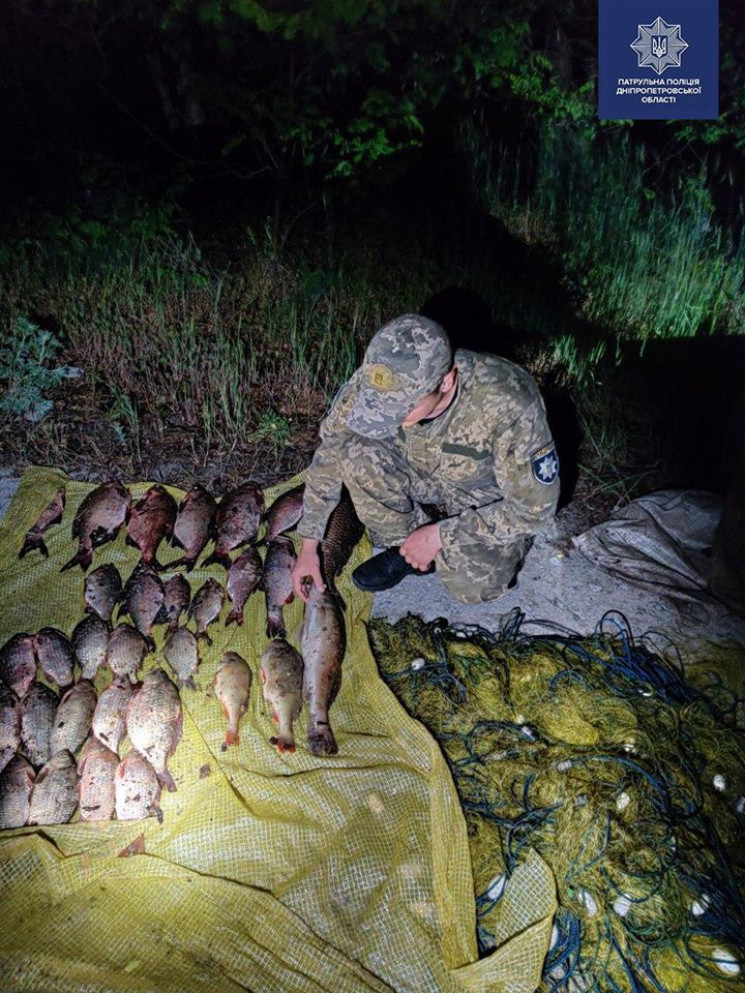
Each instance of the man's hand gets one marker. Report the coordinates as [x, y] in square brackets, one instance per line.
[307, 570]
[420, 548]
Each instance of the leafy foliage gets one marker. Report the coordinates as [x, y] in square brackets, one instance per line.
[26, 370]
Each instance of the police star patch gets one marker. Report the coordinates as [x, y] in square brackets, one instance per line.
[545, 464]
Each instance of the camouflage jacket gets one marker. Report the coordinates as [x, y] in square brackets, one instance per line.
[490, 455]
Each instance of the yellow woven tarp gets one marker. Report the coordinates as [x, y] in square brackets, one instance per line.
[269, 872]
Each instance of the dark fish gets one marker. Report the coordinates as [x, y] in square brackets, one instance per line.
[237, 521]
[277, 583]
[72, 722]
[98, 520]
[244, 576]
[194, 525]
[232, 686]
[343, 531]
[281, 676]
[55, 655]
[152, 519]
[285, 513]
[155, 722]
[90, 642]
[38, 708]
[52, 514]
[136, 788]
[181, 651]
[102, 591]
[142, 598]
[176, 599]
[109, 722]
[127, 651]
[10, 724]
[18, 663]
[323, 643]
[206, 606]
[16, 784]
[55, 793]
[96, 770]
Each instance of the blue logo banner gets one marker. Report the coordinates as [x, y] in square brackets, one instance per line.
[658, 59]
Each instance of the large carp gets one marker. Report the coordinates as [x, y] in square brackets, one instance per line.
[323, 643]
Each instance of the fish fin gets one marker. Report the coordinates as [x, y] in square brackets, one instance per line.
[33, 543]
[129, 541]
[283, 743]
[232, 737]
[83, 557]
[234, 617]
[262, 676]
[149, 641]
[321, 740]
[203, 634]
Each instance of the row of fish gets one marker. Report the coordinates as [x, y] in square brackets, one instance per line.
[232, 522]
[44, 733]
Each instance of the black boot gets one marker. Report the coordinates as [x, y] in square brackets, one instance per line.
[385, 570]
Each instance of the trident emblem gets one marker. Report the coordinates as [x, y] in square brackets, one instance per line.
[659, 46]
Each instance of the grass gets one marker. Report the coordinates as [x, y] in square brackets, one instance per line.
[640, 262]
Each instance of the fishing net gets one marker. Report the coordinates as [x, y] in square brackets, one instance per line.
[623, 770]
[268, 872]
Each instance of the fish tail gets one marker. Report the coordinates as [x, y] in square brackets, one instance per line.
[321, 740]
[234, 617]
[188, 683]
[33, 543]
[166, 779]
[223, 560]
[275, 626]
[232, 737]
[83, 557]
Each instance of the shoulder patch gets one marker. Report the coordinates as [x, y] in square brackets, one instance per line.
[545, 464]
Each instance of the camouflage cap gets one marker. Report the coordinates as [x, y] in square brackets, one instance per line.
[404, 361]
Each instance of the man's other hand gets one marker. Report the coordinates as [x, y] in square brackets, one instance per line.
[420, 548]
[307, 570]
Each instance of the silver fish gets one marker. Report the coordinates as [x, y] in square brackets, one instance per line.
[182, 654]
[142, 598]
[127, 651]
[98, 520]
[109, 722]
[72, 722]
[55, 655]
[18, 663]
[176, 599]
[194, 525]
[136, 788]
[96, 770]
[244, 576]
[237, 521]
[206, 606]
[277, 583]
[282, 681]
[16, 784]
[90, 642]
[285, 513]
[323, 643]
[232, 686]
[38, 708]
[102, 591]
[155, 721]
[55, 793]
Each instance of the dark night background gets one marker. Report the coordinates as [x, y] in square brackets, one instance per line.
[209, 207]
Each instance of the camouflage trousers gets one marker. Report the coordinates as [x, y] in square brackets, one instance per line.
[390, 497]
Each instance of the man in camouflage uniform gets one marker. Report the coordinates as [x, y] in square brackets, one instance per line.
[417, 426]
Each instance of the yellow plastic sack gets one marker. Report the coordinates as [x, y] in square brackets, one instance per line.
[269, 872]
